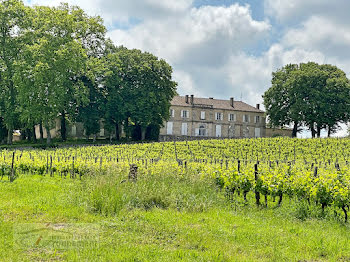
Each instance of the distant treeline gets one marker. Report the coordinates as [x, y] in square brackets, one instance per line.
[56, 62]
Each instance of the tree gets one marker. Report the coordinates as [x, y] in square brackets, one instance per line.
[330, 99]
[316, 95]
[140, 88]
[90, 32]
[282, 102]
[13, 20]
[92, 113]
[54, 65]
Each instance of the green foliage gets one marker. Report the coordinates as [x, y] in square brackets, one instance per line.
[56, 62]
[310, 94]
[13, 21]
[139, 88]
[52, 64]
[221, 231]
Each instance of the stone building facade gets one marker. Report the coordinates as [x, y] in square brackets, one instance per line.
[196, 118]
[200, 118]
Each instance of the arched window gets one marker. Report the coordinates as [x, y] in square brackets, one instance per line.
[202, 130]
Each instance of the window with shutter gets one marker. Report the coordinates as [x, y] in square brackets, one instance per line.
[184, 129]
[218, 130]
[184, 114]
[257, 119]
[219, 116]
[202, 115]
[169, 130]
[197, 131]
[246, 118]
[202, 130]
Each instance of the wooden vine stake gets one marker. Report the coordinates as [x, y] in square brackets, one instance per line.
[257, 194]
[12, 175]
[133, 173]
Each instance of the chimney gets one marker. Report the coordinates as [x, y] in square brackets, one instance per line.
[258, 106]
[231, 101]
[192, 96]
[186, 99]
[211, 97]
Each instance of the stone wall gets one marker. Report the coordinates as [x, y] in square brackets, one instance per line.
[274, 132]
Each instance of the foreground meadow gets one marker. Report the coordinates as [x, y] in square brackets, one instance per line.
[192, 201]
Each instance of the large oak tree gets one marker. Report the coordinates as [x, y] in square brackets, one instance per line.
[317, 96]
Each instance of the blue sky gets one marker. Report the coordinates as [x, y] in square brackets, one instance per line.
[224, 48]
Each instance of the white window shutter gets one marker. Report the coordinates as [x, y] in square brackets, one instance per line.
[182, 113]
[234, 117]
[197, 132]
[188, 114]
[184, 129]
[222, 116]
[169, 128]
[248, 119]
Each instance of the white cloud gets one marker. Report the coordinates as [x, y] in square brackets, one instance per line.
[200, 45]
[251, 76]
[298, 10]
[121, 10]
[322, 34]
[200, 36]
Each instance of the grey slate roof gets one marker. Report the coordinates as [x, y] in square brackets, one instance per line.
[215, 103]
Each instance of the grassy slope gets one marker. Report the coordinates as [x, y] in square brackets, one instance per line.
[192, 222]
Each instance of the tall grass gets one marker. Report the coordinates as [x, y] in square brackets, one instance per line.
[112, 192]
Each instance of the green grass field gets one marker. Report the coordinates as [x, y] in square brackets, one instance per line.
[161, 218]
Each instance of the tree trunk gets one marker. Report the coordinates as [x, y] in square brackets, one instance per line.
[295, 129]
[28, 133]
[143, 133]
[34, 134]
[126, 128]
[48, 134]
[94, 138]
[63, 126]
[117, 132]
[318, 131]
[10, 136]
[41, 132]
[329, 131]
[313, 132]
